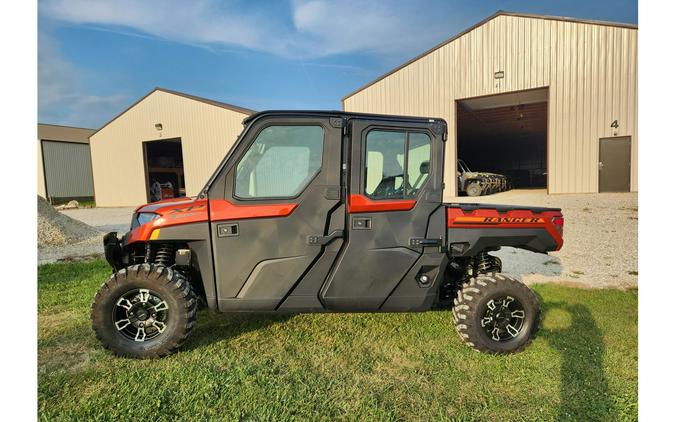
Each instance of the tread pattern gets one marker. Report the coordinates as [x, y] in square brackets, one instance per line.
[464, 310]
[177, 286]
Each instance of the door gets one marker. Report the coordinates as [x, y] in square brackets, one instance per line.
[614, 165]
[395, 184]
[164, 173]
[271, 208]
[67, 170]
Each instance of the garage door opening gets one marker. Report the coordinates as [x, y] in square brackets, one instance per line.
[505, 134]
[164, 169]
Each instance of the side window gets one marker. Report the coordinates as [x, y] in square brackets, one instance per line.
[419, 161]
[280, 163]
[385, 152]
[387, 155]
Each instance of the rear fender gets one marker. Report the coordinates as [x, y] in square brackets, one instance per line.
[474, 229]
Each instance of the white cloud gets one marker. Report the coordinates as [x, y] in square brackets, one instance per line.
[61, 98]
[56, 77]
[317, 28]
[300, 29]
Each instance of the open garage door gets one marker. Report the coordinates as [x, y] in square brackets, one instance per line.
[505, 134]
[164, 174]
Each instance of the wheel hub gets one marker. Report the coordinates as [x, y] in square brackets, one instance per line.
[503, 318]
[140, 315]
[140, 311]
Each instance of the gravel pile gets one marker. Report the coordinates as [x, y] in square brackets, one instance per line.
[601, 234]
[56, 229]
[101, 220]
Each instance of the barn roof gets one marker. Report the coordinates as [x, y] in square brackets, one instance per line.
[483, 22]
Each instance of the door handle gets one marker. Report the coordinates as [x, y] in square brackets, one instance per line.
[421, 242]
[228, 230]
[362, 223]
[600, 165]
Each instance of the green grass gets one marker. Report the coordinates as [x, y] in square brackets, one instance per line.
[582, 366]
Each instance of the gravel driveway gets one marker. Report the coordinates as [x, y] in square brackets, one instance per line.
[600, 235]
[103, 219]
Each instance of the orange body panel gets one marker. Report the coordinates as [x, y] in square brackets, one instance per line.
[360, 203]
[225, 210]
[187, 211]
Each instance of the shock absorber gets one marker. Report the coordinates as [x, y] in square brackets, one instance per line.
[486, 263]
[165, 254]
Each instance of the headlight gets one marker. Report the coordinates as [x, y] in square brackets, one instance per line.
[141, 218]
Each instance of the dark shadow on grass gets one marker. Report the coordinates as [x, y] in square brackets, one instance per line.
[584, 392]
[214, 326]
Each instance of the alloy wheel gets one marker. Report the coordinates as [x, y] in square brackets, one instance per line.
[140, 315]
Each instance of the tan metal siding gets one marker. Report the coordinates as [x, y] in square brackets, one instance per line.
[67, 167]
[590, 70]
[206, 132]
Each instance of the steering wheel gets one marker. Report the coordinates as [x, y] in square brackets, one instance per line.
[387, 188]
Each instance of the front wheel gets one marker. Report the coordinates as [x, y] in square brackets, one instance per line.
[495, 313]
[144, 311]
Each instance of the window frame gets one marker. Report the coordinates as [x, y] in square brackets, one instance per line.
[406, 145]
[250, 144]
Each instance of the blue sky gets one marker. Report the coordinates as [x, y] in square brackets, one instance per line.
[95, 57]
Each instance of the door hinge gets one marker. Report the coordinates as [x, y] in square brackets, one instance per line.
[336, 122]
[315, 240]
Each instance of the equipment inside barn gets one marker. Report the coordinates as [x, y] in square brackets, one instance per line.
[164, 169]
[506, 134]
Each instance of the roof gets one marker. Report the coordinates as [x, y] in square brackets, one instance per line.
[50, 132]
[337, 113]
[483, 22]
[230, 107]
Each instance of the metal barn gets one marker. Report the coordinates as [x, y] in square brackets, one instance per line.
[549, 101]
[165, 145]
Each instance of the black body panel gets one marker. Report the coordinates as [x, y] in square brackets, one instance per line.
[411, 294]
[196, 235]
[466, 242]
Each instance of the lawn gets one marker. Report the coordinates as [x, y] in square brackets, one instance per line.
[582, 366]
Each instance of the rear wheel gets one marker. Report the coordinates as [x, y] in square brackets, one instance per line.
[474, 189]
[495, 313]
[144, 311]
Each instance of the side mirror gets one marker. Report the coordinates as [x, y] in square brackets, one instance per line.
[424, 167]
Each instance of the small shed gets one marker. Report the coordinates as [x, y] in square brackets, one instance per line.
[167, 144]
[64, 163]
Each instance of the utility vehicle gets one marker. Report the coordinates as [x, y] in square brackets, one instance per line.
[316, 211]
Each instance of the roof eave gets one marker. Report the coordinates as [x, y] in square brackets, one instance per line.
[230, 107]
